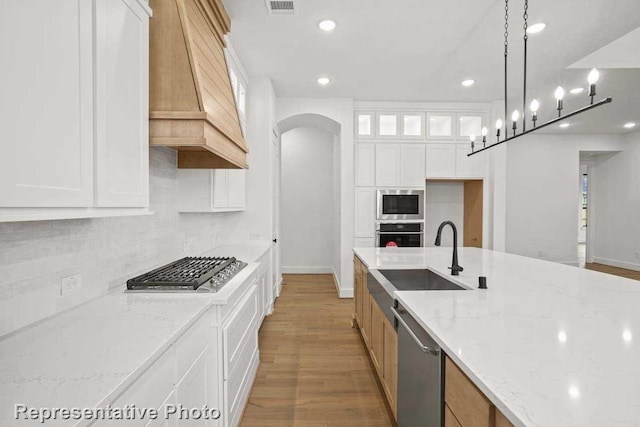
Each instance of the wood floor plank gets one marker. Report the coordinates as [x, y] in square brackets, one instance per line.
[622, 272]
[314, 370]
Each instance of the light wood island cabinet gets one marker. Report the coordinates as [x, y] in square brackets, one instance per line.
[378, 334]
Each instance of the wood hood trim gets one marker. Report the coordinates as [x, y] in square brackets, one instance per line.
[193, 108]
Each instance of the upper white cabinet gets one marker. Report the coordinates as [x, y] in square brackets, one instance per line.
[365, 125]
[75, 134]
[122, 104]
[470, 124]
[388, 125]
[441, 160]
[412, 165]
[468, 167]
[413, 125]
[46, 113]
[440, 126]
[211, 190]
[365, 165]
[400, 165]
[388, 164]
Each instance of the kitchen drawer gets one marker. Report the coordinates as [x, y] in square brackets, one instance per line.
[469, 405]
[239, 386]
[150, 390]
[242, 323]
[240, 370]
[191, 343]
[227, 310]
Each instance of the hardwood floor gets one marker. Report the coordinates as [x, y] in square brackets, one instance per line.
[314, 369]
[629, 274]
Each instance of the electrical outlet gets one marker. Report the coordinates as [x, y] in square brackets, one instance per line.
[70, 284]
[254, 236]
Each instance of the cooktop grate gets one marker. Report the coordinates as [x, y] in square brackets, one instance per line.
[186, 273]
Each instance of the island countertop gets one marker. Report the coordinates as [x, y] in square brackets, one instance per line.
[549, 344]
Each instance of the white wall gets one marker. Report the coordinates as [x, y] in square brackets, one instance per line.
[541, 189]
[341, 111]
[444, 202]
[615, 199]
[307, 203]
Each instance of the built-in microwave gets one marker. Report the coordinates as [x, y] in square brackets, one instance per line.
[394, 205]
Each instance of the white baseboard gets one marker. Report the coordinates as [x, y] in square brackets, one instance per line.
[307, 270]
[615, 263]
[342, 293]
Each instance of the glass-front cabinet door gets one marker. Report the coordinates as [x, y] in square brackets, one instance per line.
[388, 125]
[470, 124]
[365, 125]
[440, 126]
[413, 125]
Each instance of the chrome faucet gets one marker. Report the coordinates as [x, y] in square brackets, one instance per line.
[455, 268]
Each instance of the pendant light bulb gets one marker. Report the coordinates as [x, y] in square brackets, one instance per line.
[485, 131]
[593, 77]
[534, 106]
[559, 93]
[472, 138]
[499, 124]
[515, 116]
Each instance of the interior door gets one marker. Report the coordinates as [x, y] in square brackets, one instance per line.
[275, 226]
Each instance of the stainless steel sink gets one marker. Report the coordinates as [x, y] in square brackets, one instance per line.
[419, 280]
[383, 283]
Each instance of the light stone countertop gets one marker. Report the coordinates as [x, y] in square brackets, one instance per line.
[86, 356]
[549, 344]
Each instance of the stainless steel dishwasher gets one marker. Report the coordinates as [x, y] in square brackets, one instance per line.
[420, 374]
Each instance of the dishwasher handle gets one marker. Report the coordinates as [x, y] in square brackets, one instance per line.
[421, 346]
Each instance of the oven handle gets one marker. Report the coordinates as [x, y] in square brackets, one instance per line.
[399, 232]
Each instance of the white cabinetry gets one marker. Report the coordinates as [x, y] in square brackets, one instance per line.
[468, 167]
[400, 165]
[365, 212]
[412, 165]
[211, 190]
[46, 109]
[122, 104]
[365, 165]
[441, 160]
[76, 137]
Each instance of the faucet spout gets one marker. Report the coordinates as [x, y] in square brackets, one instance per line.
[455, 267]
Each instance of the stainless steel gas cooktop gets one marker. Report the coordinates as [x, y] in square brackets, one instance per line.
[189, 274]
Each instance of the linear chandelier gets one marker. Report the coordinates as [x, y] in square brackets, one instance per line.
[592, 79]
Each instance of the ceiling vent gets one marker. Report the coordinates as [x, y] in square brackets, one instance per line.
[281, 7]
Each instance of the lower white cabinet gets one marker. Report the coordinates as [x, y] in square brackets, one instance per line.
[265, 290]
[441, 160]
[191, 389]
[365, 212]
[211, 190]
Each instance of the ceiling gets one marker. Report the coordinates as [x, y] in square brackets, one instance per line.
[420, 50]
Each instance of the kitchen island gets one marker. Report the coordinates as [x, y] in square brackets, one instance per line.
[548, 344]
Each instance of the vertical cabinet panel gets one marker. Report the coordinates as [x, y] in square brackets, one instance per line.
[412, 165]
[194, 190]
[191, 391]
[122, 110]
[365, 212]
[220, 185]
[236, 188]
[468, 167]
[388, 165]
[390, 364]
[441, 161]
[377, 339]
[46, 112]
[365, 165]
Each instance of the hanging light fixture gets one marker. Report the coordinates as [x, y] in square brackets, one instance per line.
[592, 79]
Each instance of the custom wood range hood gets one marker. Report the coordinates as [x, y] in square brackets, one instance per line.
[192, 106]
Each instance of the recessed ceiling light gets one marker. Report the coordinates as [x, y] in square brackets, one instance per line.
[327, 25]
[536, 28]
[629, 125]
[577, 90]
[468, 82]
[565, 125]
[324, 81]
